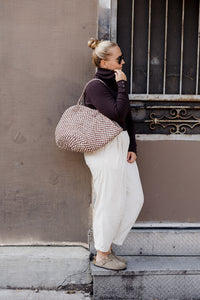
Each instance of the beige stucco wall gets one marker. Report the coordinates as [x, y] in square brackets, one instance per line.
[44, 63]
[169, 172]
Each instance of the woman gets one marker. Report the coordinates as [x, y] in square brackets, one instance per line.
[118, 195]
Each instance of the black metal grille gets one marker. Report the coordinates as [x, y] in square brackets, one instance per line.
[160, 40]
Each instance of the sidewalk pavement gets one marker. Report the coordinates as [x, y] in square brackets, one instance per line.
[6, 294]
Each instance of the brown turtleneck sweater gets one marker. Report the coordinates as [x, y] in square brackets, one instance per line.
[112, 101]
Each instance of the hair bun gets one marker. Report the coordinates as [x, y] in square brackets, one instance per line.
[93, 43]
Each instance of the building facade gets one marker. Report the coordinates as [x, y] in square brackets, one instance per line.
[45, 63]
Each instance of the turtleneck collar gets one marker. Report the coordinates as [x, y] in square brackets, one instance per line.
[105, 74]
[108, 76]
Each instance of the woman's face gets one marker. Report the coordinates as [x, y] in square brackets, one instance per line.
[114, 61]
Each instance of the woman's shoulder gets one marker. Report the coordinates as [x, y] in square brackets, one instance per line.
[95, 89]
[96, 83]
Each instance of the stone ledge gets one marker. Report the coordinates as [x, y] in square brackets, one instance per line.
[43, 267]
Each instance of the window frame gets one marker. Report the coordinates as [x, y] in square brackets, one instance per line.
[172, 113]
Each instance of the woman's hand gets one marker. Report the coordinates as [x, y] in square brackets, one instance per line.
[131, 157]
[120, 75]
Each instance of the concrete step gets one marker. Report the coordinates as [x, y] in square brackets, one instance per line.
[6, 294]
[149, 241]
[150, 278]
[43, 267]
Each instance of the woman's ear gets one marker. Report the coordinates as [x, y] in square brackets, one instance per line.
[103, 64]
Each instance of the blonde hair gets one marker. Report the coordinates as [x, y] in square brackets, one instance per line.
[101, 50]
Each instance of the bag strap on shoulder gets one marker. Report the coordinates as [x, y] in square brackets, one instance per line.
[81, 99]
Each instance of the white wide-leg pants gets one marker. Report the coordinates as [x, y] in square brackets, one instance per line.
[117, 192]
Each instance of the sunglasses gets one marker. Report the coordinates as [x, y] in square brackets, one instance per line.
[119, 59]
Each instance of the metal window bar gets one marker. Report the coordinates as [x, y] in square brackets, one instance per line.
[132, 38]
[198, 53]
[182, 41]
[149, 47]
[151, 97]
[165, 50]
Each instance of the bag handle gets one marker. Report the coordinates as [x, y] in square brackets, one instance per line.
[81, 99]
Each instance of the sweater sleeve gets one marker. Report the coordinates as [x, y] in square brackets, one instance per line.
[98, 96]
[131, 132]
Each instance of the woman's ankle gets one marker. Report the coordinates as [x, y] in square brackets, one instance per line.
[101, 255]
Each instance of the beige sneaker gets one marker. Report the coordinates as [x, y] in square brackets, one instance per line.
[117, 257]
[110, 263]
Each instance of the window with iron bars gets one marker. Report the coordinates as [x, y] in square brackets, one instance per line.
[160, 40]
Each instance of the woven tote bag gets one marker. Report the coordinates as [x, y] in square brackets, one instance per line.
[82, 129]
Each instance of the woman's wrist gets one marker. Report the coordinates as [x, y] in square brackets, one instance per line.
[121, 85]
[120, 75]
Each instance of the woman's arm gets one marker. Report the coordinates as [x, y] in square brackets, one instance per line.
[98, 96]
[131, 131]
